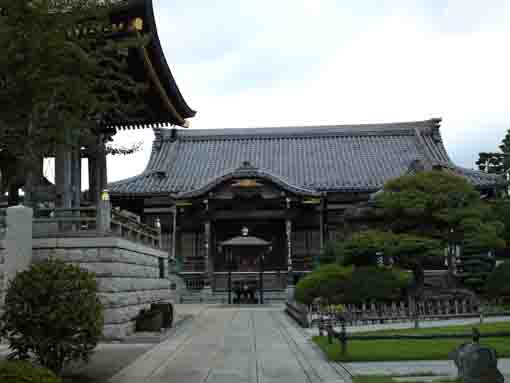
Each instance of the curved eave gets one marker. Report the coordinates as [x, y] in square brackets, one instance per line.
[161, 65]
[255, 173]
[155, 62]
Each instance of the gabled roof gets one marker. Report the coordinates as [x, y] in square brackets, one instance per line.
[341, 158]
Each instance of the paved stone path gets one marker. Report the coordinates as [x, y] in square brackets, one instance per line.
[235, 345]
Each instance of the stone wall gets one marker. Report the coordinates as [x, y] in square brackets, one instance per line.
[128, 275]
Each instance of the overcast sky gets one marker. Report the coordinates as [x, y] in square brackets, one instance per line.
[304, 62]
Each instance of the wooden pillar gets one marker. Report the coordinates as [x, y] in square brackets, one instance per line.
[101, 166]
[288, 231]
[98, 178]
[13, 199]
[207, 254]
[30, 183]
[177, 242]
[93, 185]
[33, 174]
[323, 223]
[63, 181]
[76, 178]
[174, 232]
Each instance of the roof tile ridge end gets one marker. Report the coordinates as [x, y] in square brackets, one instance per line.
[421, 146]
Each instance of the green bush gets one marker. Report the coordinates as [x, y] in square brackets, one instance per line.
[332, 253]
[375, 284]
[25, 372]
[337, 284]
[327, 282]
[52, 313]
[497, 285]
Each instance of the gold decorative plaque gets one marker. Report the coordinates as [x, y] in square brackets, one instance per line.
[246, 183]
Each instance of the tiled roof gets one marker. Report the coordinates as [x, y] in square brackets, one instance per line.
[339, 158]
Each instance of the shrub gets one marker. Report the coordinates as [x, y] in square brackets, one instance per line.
[52, 313]
[327, 282]
[497, 285]
[375, 284]
[20, 371]
[332, 253]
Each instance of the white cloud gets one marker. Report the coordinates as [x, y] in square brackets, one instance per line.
[299, 63]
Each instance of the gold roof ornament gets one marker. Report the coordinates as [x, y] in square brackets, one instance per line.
[138, 24]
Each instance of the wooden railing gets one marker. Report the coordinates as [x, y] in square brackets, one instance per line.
[94, 221]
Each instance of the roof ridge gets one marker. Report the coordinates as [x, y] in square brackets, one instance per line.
[304, 131]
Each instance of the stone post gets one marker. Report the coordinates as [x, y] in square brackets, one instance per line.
[157, 224]
[104, 214]
[17, 252]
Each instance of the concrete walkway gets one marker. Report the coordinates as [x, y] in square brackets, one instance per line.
[234, 345]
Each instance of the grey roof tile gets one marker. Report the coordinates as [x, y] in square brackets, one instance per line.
[318, 158]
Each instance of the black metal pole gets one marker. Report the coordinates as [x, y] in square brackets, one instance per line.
[229, 257]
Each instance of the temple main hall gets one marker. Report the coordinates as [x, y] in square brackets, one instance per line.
[255, 207]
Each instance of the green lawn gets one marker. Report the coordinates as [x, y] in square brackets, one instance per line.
[394, 350]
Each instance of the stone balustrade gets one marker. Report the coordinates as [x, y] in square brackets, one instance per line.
[94, 221]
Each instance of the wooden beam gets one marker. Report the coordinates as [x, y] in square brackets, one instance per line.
[251, 214]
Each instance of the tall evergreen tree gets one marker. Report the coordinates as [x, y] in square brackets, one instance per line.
[63, 75]
[496, 162]
[440, 205]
